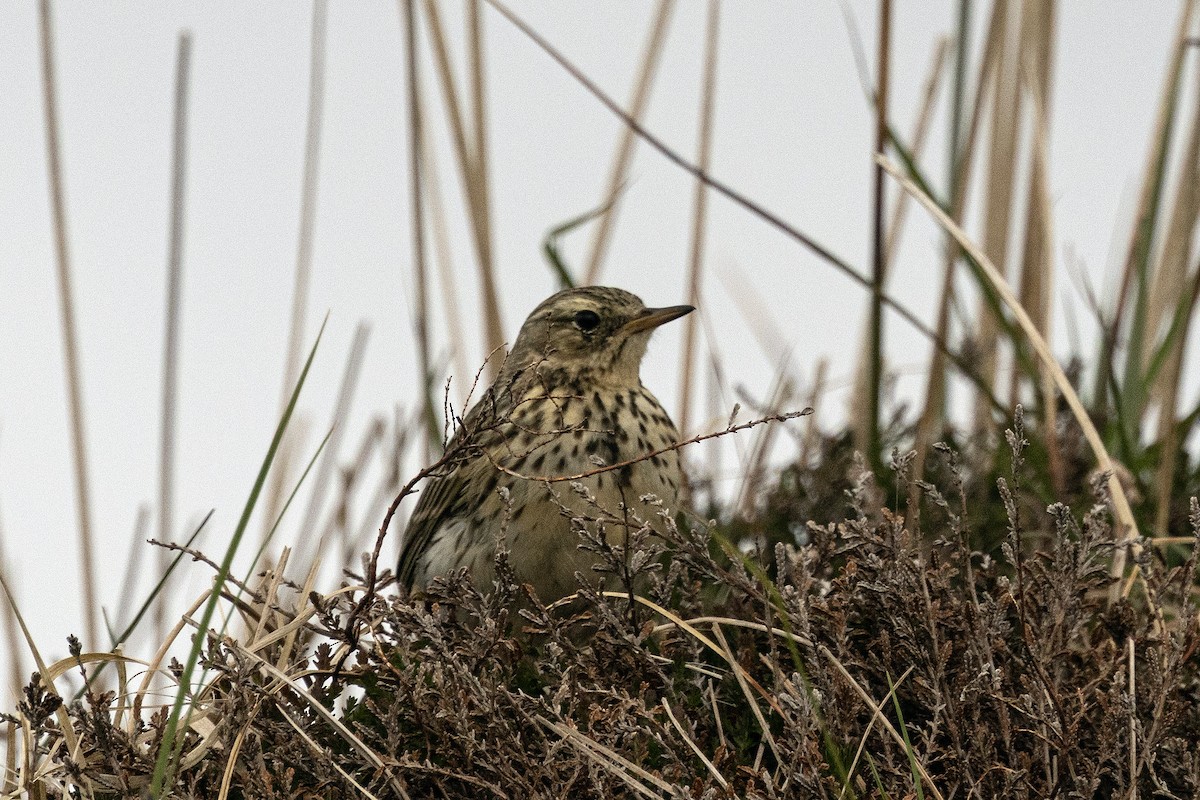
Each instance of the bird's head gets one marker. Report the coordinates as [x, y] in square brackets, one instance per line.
[596, 332]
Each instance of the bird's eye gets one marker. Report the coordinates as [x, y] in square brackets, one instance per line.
[587, 321]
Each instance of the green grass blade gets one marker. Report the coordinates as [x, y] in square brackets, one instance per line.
[550, 248]
[1141, 253]
[172, 742]
[908, 748]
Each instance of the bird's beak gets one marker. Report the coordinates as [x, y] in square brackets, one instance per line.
[653, 317]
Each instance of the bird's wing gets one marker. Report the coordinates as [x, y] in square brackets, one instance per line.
[450, 496]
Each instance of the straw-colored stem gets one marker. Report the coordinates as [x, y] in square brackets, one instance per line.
[68, 730]
[479, 164]
[1172, 298]
[74, 372]
[810, 440]
[337, 522]
[871, 445]
[1037, 276]
[754, 470]
[137, 551]
[879, 715]
[998, 196]
[480, 172]
[416, 202]
[933, 83]
[699, 215]
[16, 663]
[174, 299]
[1168, 426]
[624, 154]
[456, 331]
[962, 152]
[1037, 23]
[1137, 276]
[896, 224]
[304, 248]
[920, 135]
[720, 187]
[716, 404]
[754, 309]
[326, 467]
[473, 187]
[1170, 273]
[1128, 533]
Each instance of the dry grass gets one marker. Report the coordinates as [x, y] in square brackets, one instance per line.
[866, 660]
[961, 622]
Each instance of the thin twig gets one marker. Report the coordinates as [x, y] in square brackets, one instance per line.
[652, 453]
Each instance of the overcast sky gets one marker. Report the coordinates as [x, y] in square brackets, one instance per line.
[792, 130]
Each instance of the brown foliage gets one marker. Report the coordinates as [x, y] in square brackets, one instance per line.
[1011, 675]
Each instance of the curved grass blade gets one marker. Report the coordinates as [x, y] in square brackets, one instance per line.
[550, 244]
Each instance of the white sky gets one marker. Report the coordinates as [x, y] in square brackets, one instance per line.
[793, 132]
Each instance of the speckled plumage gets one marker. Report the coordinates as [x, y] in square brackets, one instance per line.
[568, 398]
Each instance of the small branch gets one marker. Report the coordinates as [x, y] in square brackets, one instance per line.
[652, 453]
[203, 559]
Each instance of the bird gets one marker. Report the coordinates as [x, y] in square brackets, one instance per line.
[567, 407]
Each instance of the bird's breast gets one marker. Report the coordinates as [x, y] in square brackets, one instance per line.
[616, 443]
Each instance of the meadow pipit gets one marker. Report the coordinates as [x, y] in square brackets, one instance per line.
[568, 401]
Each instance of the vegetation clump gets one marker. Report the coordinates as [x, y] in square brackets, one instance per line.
[863, 658]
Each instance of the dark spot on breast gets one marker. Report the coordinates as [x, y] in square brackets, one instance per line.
[562, 463]
[625, 476]
[593, 445]
[578, 434]
[538, 462]
[641, 430]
